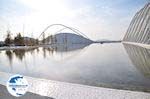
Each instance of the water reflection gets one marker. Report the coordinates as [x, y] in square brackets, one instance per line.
[19, 53]
[52, 50]
[9, 54]
[65, 47]
[105, 65]
[140, 57]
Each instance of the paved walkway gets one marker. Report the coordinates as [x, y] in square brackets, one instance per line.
[63, 90]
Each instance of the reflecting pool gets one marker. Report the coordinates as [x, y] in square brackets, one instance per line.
[107, 65]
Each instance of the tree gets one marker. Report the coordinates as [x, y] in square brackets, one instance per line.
[19, 41]
[8, 39]
[36, 41]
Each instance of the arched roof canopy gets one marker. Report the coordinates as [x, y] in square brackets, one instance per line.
[64, 27]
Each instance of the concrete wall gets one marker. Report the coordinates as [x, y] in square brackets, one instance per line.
[139, 28]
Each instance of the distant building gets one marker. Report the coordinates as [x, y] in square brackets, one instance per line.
[67, 38]
[30, 41]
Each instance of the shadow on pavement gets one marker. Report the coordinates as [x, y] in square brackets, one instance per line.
[5, 95]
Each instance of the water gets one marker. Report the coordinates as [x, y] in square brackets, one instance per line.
[108, 65]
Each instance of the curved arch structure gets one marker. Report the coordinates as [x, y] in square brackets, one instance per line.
[65, 27]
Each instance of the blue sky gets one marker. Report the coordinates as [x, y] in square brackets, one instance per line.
[98, 19]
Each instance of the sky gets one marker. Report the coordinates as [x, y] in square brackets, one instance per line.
[98, 19]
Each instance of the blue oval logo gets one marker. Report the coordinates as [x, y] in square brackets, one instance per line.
[17, 85]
